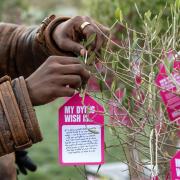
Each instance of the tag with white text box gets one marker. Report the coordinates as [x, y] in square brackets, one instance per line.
[175, 166]
[81, 131]
[169, 83]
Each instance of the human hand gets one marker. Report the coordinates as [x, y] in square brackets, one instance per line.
[70, 33]
[57, 77]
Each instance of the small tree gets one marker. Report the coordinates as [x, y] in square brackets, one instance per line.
[138, 117]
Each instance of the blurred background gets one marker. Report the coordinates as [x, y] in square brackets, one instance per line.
[32, 12]
[45, 154]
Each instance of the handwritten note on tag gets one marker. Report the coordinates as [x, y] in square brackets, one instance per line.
[175, 167]
[169, 83]
[81, 131]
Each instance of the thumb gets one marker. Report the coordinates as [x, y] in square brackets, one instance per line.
[73, 47]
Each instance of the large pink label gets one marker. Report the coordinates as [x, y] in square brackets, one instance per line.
[81, 131]
[175, 167]
[168, 84]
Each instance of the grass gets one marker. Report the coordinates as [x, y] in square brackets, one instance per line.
[45, 154]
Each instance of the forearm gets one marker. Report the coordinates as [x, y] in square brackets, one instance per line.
[23, 49]
[17, 50]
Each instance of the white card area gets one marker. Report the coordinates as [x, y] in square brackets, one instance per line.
[81, 143]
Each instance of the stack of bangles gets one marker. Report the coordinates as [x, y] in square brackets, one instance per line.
[19, 127]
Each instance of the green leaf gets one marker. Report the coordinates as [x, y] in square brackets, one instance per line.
[112, 130]
[134, 35]
[169, 65]
[132, 103]
[113, 86]
[124, 95]
[89, 41]
[113, 64]
[178, 3]
[91, 59]
[81, 58]
[135, 40]
[118, 14]
[148, 14]
[101, 85]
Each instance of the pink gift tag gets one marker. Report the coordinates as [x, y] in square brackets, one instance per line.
[118, 115]
[168, 176]
[81, 131]
[171, 100]
[93, 84]
[155, 178]
[175, 167]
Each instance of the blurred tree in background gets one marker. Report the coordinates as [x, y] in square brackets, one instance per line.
[33, 12]
[14, 8]
[137, 27]
[112, 10]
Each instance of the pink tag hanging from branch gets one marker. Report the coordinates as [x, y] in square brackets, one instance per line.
[155, 178]
[175, 167]
[118, 114]
[81, 131]
[168, 80]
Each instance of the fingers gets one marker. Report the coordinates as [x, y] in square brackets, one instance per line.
[68, 66]
[51, 79]
[73, 81]
[99, 30]
[69, 34]
[104, 29]
[68, 70]
[63, 60]
[105, 33]
[76, 69]
[72, 46]
[89, 31]
[100, 36]
[65, 92]
[99, 43]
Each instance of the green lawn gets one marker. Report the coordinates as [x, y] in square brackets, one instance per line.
[45, 154]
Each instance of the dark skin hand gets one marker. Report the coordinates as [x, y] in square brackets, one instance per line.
[61, 76]
[57, 77]
[69, 34]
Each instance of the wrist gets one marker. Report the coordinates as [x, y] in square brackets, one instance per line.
[45, 34]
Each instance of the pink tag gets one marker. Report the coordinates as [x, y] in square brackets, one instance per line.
[168, 176]
[81, 131]
[93, 84]
[165, 82]
[118, 115]
[175, 167]
[155, 178]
